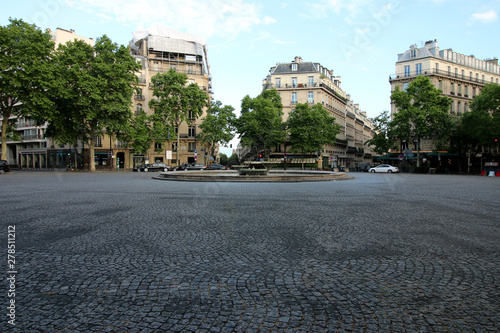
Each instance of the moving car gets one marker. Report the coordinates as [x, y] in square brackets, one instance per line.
[4, 167]
[384, 168]
[153, 167]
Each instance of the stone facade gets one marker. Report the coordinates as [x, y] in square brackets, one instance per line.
[312, 83]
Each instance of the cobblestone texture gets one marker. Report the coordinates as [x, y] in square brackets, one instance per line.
[121, 252]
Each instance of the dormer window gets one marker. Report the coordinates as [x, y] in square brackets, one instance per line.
[294, 67]
[413, 53]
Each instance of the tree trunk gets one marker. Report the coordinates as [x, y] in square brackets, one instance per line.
[418, 152]
[5, 123]
[91, 150]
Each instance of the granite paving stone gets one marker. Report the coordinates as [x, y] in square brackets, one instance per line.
[123, 252]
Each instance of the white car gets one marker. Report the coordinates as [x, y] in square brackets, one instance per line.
[384, 168]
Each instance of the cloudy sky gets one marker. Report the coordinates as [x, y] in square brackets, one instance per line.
[358, 39]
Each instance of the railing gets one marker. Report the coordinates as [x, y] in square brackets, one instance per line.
[32, 137]
[139, 97]
[30, 123]
[442, 73]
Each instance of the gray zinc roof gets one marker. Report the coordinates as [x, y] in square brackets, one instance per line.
[303, 67]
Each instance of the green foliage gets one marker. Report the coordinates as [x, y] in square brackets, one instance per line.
[223, 159]
[481, 126]
[139, 133]
[175, 102]
[93, 91]
[382, 140]
[217, 126]
[25, 65]
[310, 128]
[260, 124]
[421, 112]
[233, 160]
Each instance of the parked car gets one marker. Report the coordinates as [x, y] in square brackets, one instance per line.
[216, 167]
[384, 168]
[4, 167]
[153, 167]
[194, 166]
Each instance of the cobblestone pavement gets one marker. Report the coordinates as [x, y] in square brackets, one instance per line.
[121, 252]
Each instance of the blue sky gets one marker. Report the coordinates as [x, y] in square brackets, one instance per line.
[358, 39]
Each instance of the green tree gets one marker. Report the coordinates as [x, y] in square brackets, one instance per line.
[233, 160]
[138, 133]
[25, 75]
[94, 91]
[223, 159]
[175, 103]
[382, 140]
[488, 101]
[260, 125]
[421, 112]
[217, 126]
[310, 128]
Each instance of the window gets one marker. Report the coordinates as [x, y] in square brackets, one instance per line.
[97, 141]
[459, 105]
[311, 81]
[459, 89]
[294, 98]
[310, 97]
[452, 88]
[466, 107]
[473, 91]
[173, 66]
[190, 69]
[451, 107]
[463, 74]
[449, 70]
[191, 146]
[158, 146]
[294, 81]
[440, 86]
[278, 82]
[139, 108]
[471, 76]
[466, 91]
[437, 68]
[405, 86]
[190, 114]
[419, 69]
[294, 67]
[407, 71]
[192, 131]
[413, 53]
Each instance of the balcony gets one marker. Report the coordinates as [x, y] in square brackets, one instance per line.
[440, 73]
[139, 97]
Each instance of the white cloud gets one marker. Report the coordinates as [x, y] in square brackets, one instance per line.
[204, 18]
[485, 17]
[323, 8]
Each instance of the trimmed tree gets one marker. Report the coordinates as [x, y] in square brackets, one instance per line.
[175, 103]
[421, 112]
[25, 75]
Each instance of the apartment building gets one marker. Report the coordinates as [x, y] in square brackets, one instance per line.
[312, 83]
[459, 76]
[158, 50]
[32, 149]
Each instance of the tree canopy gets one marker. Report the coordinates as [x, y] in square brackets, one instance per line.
[421, 112]
[176, 102]
[218, 125]
[25, 75]
[260, 125]
[93, 92]
[382, 140]
[310, 128]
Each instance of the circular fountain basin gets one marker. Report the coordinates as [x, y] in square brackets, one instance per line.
[276, 176]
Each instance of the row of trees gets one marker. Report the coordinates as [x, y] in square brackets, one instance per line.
[423, 112]
[83, 91]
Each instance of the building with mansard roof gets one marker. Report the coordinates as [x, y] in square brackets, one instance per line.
[312, 83]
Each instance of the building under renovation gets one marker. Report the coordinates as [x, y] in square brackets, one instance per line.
[159, 50]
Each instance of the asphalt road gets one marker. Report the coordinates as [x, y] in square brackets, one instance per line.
[121, 252]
